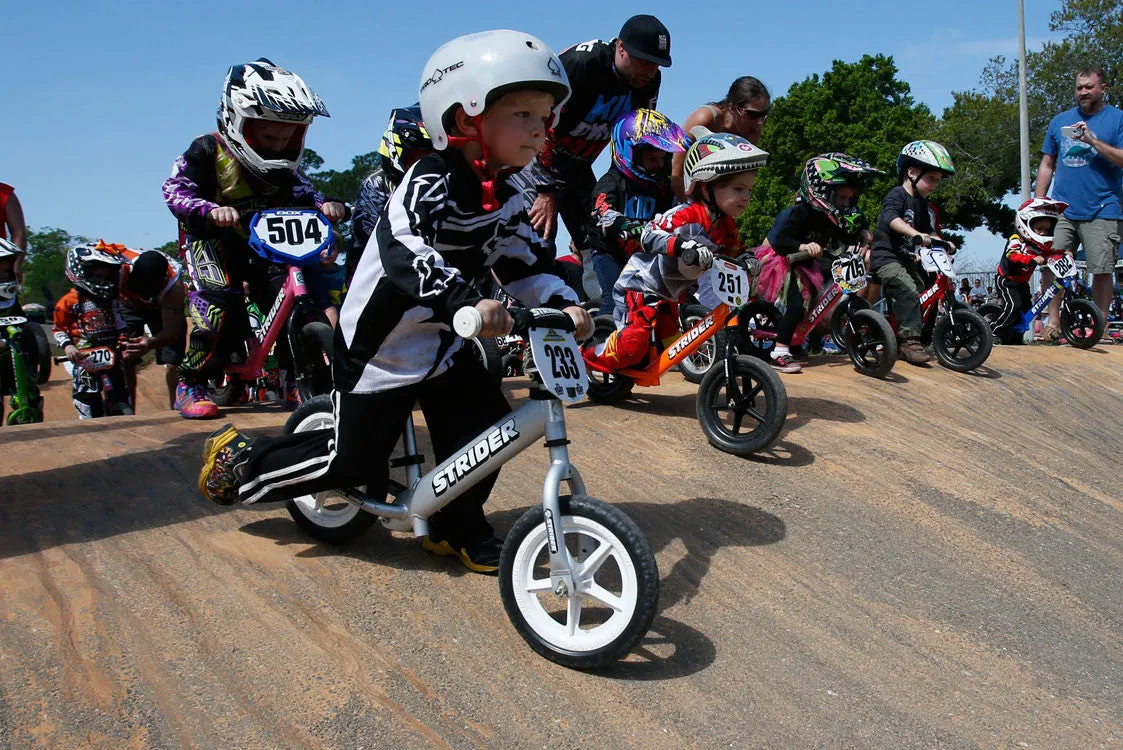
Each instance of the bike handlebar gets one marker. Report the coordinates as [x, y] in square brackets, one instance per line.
[467, 322]
[918, 241]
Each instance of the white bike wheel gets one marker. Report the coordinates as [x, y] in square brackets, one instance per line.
[327, 516]
[615, 577]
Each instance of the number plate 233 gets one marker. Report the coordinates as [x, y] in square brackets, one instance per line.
[559, 363]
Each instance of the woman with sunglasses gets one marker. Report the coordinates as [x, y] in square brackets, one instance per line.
[741, 112]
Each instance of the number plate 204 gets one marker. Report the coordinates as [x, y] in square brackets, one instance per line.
[559, 363]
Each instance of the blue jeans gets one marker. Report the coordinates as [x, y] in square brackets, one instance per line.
[607, 271]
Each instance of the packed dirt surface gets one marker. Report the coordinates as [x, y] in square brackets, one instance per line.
[933, 560]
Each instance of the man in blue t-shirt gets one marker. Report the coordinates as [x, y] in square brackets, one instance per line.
[1083, 156]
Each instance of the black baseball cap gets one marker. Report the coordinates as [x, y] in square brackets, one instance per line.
[646, 37]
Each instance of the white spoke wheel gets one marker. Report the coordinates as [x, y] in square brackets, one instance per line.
[326, 516]
[616, 581]
[695, 367]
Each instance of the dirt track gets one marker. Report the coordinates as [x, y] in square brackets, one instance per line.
[934, 561]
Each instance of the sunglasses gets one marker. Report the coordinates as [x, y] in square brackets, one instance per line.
[755, 114]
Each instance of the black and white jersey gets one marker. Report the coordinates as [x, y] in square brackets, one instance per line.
[431, 249]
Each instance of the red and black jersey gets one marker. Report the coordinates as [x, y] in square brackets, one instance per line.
[600, 97]
[1017, 261]
[83, 321]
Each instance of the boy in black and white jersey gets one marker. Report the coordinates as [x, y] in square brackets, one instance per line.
[487, 101]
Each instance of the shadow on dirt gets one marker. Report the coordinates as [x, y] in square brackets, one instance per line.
[671, 649]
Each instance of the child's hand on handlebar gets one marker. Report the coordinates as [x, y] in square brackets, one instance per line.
[496, 320]
[224, 216]
[72, 353]
[1040, 260]
[814, 249]
[333, 211]
[583, 321]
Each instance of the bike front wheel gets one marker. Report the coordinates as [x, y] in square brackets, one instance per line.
[870, 343]
[615, 576]
[965, 344]
[1082, 323]
[326, 516]
[748, 417]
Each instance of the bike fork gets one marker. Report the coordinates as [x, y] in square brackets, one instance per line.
[557, 442]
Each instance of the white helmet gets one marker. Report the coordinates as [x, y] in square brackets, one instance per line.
[8, 289]
[263, 91]
[475, 70]
[714, 155]
[1038, 208]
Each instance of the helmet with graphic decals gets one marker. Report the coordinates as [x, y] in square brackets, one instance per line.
[821, 178]
[474, 71]
[645, 129]
[1032, 212]
[927, 156]
[404, 141]
[714, 155]
[95, 271]
[259, 92]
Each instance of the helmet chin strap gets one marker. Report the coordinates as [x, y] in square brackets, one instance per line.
[487, 180]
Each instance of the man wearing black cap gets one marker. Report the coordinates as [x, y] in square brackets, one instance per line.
[608, 80]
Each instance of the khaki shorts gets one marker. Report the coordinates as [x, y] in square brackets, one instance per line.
[1099, 237]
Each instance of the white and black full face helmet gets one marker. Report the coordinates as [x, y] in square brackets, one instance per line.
[475, 70]
[261, 90]
[9, 289]
[80, 261]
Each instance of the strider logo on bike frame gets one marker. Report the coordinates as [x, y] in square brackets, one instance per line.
[472, 457]
[690, 336]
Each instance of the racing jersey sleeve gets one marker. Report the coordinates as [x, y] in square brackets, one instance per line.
[193, 178]
[686, 221]
[527, 273]
[372, 198]
[1016, 251]
[65, 319]
[789, 231]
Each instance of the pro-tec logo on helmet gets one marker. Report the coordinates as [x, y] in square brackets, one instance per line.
[439, 73]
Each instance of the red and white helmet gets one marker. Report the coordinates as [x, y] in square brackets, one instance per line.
[475, 70]
[1038, 208]
[261, 90]
[9, 289]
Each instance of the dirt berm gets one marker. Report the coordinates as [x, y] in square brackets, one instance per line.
[934, 560]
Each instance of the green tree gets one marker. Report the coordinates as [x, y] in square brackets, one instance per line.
[336, 184]
[170, 248]
[860, 108]
[45, 270]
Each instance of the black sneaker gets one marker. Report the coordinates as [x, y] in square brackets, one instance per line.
[479, 557]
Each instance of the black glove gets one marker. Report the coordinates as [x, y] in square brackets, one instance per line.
[695, 253]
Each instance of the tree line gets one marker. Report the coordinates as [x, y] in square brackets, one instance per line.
[862, 108]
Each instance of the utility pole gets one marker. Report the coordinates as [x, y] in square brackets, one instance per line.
[1023, 99]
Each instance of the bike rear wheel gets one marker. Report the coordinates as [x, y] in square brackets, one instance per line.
[226, 390]
[615, 574]
[963, 345]
[758, 316]
[749, 422]
[326, 516]
[313, 349]
[1082, 323]
[870, 343]
[695, 367]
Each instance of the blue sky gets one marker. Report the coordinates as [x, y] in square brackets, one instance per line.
[101, 97]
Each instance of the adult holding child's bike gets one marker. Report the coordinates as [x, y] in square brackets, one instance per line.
[1083, 157]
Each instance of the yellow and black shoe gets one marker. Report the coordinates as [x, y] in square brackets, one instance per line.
[480, 557]
[225, 449]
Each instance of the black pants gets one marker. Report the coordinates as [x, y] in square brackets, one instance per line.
[1016, 301]
[458, 405]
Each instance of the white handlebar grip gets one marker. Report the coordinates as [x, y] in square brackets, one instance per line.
[467, 322]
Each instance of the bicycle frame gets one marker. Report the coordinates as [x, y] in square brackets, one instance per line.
[541, 416]
[931, 298]
[1046, 295]
[685, 345]
[265, 335]
[26, 391]
[822, 310]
